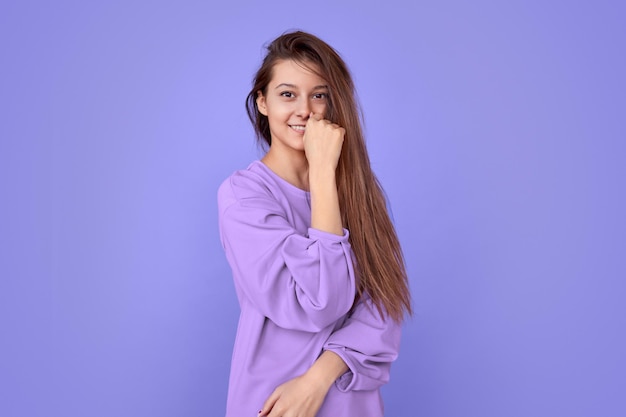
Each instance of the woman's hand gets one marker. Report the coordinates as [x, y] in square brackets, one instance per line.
[304, 395]
[322, 142]
[299, 397]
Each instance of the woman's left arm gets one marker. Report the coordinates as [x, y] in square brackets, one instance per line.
[305, 394]
[356, 356]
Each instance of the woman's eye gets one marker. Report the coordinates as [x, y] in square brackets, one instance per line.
[320, 96]
[287, 94]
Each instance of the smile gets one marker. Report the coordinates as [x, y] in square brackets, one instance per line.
[298, 128]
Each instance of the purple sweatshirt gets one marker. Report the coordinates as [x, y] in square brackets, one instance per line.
[295, 287]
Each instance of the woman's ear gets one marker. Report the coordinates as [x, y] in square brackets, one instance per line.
[260, 103]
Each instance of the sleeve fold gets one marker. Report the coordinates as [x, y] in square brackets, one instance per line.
[368, 345]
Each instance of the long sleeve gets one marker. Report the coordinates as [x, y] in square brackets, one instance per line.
[368, 345]
[299, 279]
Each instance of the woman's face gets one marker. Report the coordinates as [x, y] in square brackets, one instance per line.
[291, 96]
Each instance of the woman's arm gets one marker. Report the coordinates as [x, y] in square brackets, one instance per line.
[304, 395]
[300, 282]
[322, 145]
[357, 356]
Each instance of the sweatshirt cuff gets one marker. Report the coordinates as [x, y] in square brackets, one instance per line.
[346, 381]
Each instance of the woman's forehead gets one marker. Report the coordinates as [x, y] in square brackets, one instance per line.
[296, 73]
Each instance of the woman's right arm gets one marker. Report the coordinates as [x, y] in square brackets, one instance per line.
[323, 141]
[301, 282]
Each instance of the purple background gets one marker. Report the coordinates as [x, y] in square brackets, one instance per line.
[497, 129]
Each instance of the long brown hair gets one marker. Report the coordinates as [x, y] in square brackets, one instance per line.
[379, 261]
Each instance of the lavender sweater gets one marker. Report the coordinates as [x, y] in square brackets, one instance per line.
[295, 286]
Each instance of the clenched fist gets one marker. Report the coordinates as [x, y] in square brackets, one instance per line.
[322, 142]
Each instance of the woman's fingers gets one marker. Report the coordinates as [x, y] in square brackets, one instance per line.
[297, 397]
[323, 141]
[315, 116]
[269, 404]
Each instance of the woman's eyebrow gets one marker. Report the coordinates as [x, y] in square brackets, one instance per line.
[287, 85]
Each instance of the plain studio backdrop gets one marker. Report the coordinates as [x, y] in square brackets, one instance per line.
[496, 128]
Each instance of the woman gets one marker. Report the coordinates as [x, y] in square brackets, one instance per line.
[317, 265]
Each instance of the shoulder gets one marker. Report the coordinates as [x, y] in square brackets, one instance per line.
[248, 183]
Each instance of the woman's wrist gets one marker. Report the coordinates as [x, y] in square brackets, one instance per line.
[322, 175]
[326, 369]
[325, 212]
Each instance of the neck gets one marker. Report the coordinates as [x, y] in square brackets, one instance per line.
[293, 167]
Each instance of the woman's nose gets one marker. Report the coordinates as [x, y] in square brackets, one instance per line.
[304, 108]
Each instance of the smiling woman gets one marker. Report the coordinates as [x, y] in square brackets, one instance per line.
[292, 95]
[317, 266]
